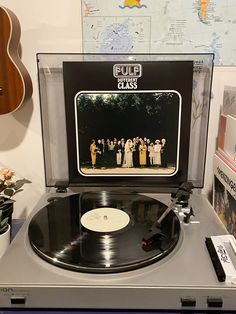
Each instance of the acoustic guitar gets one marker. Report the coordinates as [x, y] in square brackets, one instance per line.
[15, 82]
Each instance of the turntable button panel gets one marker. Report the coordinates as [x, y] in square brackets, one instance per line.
[17, 300]
[188, 301]
[214, 302]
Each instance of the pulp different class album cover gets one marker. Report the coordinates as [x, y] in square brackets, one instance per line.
[128, 120]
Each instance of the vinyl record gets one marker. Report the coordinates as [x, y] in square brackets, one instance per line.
[103, 232]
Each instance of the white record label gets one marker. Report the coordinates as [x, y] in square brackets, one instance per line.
[105, 219]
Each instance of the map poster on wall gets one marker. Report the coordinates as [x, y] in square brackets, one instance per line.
[128, 120]
[163, 26]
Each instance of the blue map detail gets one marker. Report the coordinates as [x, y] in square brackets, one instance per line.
[213, 48]
[133, 6]
[116, 38]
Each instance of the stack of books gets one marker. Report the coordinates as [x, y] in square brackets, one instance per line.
[224, 184]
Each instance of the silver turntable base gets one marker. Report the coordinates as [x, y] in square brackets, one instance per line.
[185, 279]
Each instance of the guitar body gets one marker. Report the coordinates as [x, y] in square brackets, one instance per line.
[15, 82]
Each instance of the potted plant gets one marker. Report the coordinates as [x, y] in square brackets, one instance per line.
[4, 234]
[9, 187]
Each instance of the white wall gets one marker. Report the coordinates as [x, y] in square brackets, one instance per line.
[46, 26]
[55, 26]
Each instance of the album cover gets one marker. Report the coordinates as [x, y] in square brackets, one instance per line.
[224, 194]
[229, 100]
[128, 121]
[230, 137]
[221, 132]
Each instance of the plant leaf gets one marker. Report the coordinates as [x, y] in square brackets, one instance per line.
[2, 200]
[20, 183]
[7, 201]
[3, 222]
[2, 187]
[17, 191]
[3, 228]
[11, 185]
[9, 192]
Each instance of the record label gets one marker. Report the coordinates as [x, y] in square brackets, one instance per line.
[105, 219]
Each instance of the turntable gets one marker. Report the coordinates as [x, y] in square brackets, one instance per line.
[117, 229]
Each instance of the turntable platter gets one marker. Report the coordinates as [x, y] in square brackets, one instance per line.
[103, 232]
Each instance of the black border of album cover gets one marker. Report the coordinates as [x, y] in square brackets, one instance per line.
[113, 162]
[97, 76]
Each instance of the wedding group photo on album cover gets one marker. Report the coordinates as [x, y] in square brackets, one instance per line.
[128, 133]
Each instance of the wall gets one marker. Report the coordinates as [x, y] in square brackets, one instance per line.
[55, 26]
[46, 26]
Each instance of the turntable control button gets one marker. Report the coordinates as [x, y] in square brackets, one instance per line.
[188, 301]
[17, 300]
[214, 302]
